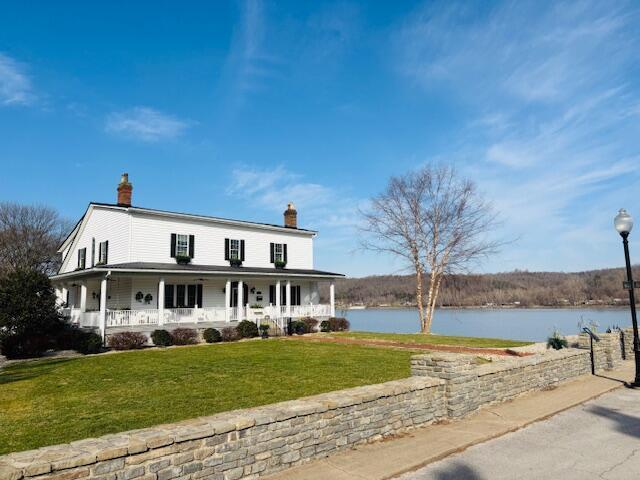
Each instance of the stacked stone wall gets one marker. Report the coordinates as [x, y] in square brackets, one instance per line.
[608, 352]
[241, 444]
[627, 343]
[471, 384]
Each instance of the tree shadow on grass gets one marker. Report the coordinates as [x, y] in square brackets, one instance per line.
[30, 369]
[624, 423]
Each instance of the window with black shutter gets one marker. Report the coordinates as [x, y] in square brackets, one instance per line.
[82, 258]
[103, 254]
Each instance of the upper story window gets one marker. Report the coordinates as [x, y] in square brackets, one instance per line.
[234, 250]
[82, 258]
[279, 254]
[103, 252]
[182, 245]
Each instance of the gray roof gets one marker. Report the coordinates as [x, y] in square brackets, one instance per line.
[191, 268]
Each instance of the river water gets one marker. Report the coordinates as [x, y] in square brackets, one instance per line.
[534, 324]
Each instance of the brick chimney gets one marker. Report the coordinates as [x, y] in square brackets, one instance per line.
[124, 191]
[291, 216]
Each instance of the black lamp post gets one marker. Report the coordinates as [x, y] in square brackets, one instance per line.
[623, 224]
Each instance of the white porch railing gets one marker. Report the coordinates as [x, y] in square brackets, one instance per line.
[121, 318]
[177, 316]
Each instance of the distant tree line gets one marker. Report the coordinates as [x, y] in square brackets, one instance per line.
[516, 289]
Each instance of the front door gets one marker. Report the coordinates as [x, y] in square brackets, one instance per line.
[234, 293]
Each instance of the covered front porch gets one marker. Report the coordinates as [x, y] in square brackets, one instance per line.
[115, 301]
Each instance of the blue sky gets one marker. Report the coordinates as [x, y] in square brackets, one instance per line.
[234, 109]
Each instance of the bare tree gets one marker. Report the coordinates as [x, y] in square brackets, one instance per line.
[29, 237]
[436, 222]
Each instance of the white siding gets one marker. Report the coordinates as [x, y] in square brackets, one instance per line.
[151, 237]
[101, 224]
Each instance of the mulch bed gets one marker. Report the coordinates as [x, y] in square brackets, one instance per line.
[505, 352]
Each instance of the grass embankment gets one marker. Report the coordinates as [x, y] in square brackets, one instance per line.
[474, 342]
[60, 400]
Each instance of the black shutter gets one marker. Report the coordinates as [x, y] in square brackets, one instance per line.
[273, 255]
[199, 295]
[93, 252]
[283, 294]
[191, 296]
[298, 299]
[272, 293]
[106, 252]
[226, 249]
[192, 242]
[173, 245]
[242, 250]
[168, 296]
[284, 252]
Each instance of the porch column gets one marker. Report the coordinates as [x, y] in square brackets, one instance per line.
[332, 299]
[161, 301]
[278, 313]
[240, 300]
[65, 296]
[288, 297]
[227, 300]
[83, 297]
[103, 308]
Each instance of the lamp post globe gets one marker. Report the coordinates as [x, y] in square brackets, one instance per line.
[623, 222]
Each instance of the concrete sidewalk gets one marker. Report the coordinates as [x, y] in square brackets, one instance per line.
[393, 457]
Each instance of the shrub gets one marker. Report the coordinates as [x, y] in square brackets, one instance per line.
[557, 341]
[29, 319]
[247, 329]
[184, 336]
[24, 346]
[338, 324]
[73, 338]
[127, 340]
[296, 327]
[310, 324]
[324, 326]
[211, 335]
[229, 334]
[161, 338]
[91, 343]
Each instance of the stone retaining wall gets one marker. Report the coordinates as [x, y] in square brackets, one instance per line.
[241, 444]
[259, 441]
[607, 353]
[470, 384]
[627, 343]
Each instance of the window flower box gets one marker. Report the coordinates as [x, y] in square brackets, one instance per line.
[235, 262]
[183, 259]
[280, 264]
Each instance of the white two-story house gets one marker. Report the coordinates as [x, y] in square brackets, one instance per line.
[127, 267]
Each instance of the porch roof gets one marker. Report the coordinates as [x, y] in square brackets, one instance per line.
[190, 269]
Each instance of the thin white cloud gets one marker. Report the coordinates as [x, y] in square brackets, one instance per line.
[272, 189]
[552, 102]
[145, 124]
[15, 84]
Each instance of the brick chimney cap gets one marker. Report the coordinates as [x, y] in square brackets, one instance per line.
[124, 178]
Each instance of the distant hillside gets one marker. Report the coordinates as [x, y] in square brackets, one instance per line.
[518, 288]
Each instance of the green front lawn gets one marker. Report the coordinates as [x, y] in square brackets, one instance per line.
[60, 400]
[476, 342]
